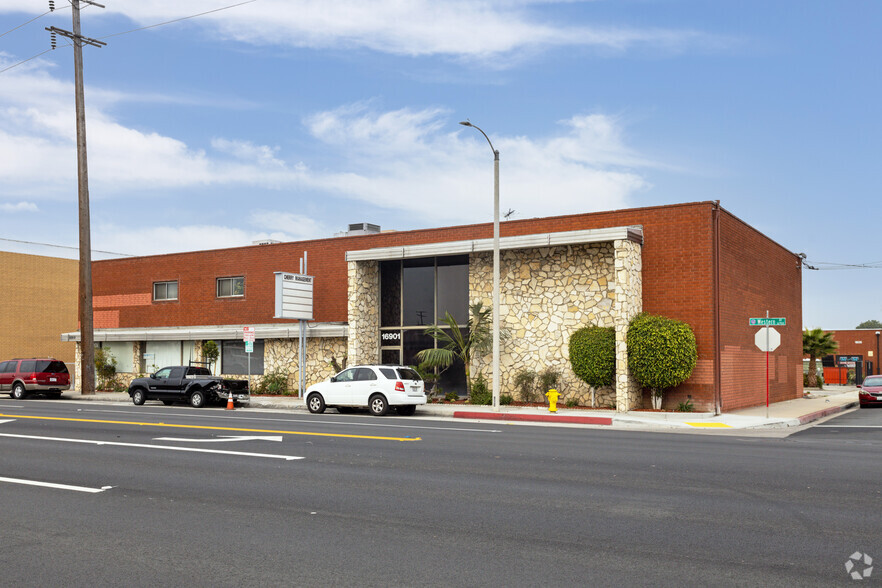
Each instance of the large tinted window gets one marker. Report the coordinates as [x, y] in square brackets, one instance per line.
[28, 366]
[453, 288]
[390, 293]
[418, 289]
[7, 366]
[51, 367]
[234, 360]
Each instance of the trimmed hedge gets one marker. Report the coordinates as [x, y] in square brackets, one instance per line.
[661, 351]
[593, 355]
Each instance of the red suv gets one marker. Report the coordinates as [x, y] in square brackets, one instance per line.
[21, 377]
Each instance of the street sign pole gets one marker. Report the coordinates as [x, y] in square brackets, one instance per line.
[767, 367]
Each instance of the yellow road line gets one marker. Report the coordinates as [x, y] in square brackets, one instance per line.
[718, 425]
[203, 427]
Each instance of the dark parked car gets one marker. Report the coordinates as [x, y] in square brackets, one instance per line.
[195, 385]
[870, 393]
[21, 377]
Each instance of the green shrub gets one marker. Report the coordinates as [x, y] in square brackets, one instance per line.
[451, 396]
[571, 403]
[548, 380]
[210, 352]
[684, 406]
[661, 352]
[593, 355]
[480, 391]
[273, 383]
[105, 368]
[525, 382]
[505, 399]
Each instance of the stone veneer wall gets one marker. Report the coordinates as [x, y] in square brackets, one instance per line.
[280, 355]
[364, 312]
[547, 294]
[628, 304]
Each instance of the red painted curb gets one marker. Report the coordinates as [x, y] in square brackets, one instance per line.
[545, 418]
[807, 418]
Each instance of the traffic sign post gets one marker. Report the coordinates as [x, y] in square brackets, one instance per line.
[248, 338]
[767, 339]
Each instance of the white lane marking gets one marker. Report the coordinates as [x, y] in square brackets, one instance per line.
[56, 486]
[222, 439]
[146, 446]
[7, 421]
[309, 421]
[848, 426]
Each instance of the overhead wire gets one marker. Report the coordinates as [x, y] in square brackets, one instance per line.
[64, 247]
[124, 32]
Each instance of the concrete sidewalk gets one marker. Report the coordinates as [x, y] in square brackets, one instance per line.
[791, 413]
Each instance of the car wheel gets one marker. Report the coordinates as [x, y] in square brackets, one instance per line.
[168, 402]
[197, 399]
[18, 391]
[138, 397]
[315, 403]
[406, 410]
[378, 405]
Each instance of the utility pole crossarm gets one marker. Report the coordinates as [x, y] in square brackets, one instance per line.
[77, 38]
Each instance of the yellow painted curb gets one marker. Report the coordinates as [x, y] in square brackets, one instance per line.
[718, 425]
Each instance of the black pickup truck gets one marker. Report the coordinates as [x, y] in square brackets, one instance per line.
[195, 385]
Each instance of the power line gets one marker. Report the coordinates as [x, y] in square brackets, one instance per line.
[126, 32]
[178, 19]
[50, 11]
[64, 247]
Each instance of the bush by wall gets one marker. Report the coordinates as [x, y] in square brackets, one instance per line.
[661, 352]
[593, 355]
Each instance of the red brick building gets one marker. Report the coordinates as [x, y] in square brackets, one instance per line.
[694, 262]
[858, 351]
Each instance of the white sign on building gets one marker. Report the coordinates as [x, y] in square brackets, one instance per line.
[293, 296]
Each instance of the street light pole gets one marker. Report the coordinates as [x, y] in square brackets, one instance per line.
[495, 330]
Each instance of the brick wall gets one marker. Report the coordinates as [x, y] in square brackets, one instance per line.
[858, 342]
[37, 304]
[677, 282]
[757, 275]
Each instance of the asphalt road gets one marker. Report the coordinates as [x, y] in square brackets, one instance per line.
[365, 501]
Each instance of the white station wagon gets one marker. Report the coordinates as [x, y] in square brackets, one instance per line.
[376, 387]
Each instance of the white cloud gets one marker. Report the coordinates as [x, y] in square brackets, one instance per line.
[18, 207]
[474, 29]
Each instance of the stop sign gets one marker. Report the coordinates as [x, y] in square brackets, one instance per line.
[774, 339]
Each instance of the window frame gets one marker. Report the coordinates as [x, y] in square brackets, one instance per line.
[231, 279]
[166, 283]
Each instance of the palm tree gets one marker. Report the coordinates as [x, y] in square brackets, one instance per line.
[453, 344]
[816, 343]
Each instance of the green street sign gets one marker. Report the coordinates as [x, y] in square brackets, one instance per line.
[767, 322]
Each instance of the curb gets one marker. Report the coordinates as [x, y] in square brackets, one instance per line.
[545, 418]
[807, 418]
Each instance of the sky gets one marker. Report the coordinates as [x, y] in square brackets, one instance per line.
[290, 119]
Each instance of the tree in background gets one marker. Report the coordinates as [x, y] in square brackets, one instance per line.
[661, 353]
[105, 367]
[870, 324]
[210, 353]
[816, 343]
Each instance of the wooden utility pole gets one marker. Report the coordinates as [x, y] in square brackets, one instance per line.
[87, 338]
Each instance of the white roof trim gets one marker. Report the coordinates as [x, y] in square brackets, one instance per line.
[632, 233]
[218, 332]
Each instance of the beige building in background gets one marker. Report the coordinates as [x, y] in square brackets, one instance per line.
[38, 303]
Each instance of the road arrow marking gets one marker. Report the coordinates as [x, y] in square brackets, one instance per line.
[56, 486]
[7, 421]
[222, 439]
[146, 446]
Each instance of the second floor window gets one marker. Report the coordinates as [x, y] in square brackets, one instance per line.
[165, 290]
[227, 287]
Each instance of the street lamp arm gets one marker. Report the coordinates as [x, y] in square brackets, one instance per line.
[468, 124]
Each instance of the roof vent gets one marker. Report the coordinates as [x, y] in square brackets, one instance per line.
[265, 242]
